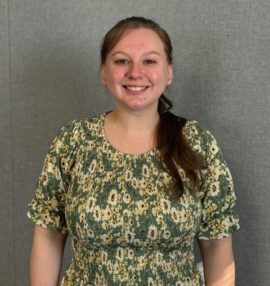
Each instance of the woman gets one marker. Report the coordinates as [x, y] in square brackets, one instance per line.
[135, 186]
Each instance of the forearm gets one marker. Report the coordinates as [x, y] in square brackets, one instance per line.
[218, 262]
[46, 257]
[217, 274]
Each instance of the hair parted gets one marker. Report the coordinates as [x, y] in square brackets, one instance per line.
[117, 31]
[171, 143]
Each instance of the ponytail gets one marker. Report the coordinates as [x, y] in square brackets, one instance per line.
[174, 149]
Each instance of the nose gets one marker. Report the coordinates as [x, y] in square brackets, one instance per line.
[134, 71]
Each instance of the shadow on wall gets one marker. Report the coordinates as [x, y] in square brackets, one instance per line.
[198, 71]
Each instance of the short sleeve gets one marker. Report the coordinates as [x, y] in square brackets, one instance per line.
[47, 208]
[218, 219]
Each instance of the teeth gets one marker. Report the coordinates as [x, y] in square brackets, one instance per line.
[136, 88]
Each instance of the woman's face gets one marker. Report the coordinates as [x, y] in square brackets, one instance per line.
[136, 70]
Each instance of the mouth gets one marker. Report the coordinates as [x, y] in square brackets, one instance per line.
[133, 88]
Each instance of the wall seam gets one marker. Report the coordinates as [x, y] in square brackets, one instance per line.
[11, 141]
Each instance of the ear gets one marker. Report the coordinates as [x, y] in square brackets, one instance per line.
[170, 74]
[102, 75]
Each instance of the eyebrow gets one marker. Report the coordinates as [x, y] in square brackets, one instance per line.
[147, 53]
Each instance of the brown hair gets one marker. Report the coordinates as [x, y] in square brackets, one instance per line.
[170, 141]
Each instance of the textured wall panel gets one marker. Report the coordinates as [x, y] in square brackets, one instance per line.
[222, 70]
[7, 261]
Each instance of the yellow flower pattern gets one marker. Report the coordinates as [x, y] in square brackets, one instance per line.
[116, 207]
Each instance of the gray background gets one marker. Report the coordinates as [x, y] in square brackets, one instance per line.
[49, 74]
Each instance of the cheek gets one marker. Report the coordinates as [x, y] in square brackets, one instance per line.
[153, 74]
[114, 76]
[159, 77]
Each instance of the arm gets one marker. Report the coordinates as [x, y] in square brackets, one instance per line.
[218, 262]
[46, 257]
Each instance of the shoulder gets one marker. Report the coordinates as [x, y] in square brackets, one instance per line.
[200, 139]
[81, 127]
[193, 130]
[76, 131]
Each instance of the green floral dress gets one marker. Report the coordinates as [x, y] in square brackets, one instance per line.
[125, 229]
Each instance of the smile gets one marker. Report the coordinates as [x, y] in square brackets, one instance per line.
[135, 88]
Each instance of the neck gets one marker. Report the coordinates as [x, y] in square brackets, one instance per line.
[135, 122]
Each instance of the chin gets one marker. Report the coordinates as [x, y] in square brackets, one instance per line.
[142, 106]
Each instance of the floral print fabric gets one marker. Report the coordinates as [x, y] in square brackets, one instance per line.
[116, 207]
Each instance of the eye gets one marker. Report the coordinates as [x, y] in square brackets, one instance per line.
[121, 61]
[149, 61]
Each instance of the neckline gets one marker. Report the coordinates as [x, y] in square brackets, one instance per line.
[150, 152]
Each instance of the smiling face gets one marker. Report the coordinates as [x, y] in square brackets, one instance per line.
[136, 70]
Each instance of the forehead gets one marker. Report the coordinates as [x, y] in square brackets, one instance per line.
[139, 39]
